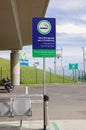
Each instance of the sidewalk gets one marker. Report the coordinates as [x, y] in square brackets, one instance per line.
[38, 125]
[27, 125]
[71, 124]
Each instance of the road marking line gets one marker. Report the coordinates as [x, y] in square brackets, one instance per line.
[55, 126]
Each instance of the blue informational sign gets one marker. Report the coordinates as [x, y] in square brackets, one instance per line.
[44, 37]
[24, 62]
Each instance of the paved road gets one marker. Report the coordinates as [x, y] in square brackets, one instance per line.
[66, 101]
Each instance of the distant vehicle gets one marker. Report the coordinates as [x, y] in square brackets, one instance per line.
[7, 84]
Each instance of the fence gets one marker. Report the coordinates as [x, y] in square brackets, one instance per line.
[35, 76]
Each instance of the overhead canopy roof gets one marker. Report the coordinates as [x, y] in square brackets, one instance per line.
[16, 22]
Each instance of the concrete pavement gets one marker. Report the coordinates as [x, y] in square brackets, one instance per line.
[67, 108]
[38, 125]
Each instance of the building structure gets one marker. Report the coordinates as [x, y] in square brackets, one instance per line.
[16, 28]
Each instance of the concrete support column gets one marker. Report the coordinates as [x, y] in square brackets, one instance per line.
[15, 68]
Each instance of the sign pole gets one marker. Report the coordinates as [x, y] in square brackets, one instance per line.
[44, 92]
[44, 78]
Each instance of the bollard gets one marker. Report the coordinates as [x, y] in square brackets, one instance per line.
[26, 90]
[46, 114]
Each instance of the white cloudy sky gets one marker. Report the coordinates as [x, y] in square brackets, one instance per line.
[70, 22]
[70, 29]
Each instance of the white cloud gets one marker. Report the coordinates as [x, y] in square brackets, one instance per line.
[70, 28]
[67, 4]
[27, 50]
[83, 17]
[5, 54]
[72, 51]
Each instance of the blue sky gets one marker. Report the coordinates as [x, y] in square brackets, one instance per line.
[70, 31]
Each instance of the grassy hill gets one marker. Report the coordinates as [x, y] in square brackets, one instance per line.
[31, 75]
[4, 68]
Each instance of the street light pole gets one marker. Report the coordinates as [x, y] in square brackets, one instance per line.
[50, 74]
[60, 55]
[35, 65]
[83, 49]
[55, 65]
[61, 58]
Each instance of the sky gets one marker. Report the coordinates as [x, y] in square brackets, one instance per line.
[70, 28]
[70, 22]
[70, 33]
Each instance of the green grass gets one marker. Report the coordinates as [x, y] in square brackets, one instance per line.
[4, 68]
[31, 75]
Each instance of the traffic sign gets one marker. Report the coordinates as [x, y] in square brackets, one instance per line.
[44, 37]
[24, 59]
[73, 66]
[24, 62]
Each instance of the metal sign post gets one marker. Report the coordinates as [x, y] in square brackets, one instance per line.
[44, 78]
[44, 92]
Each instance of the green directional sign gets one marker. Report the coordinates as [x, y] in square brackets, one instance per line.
[73, 66]
[44, 53]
